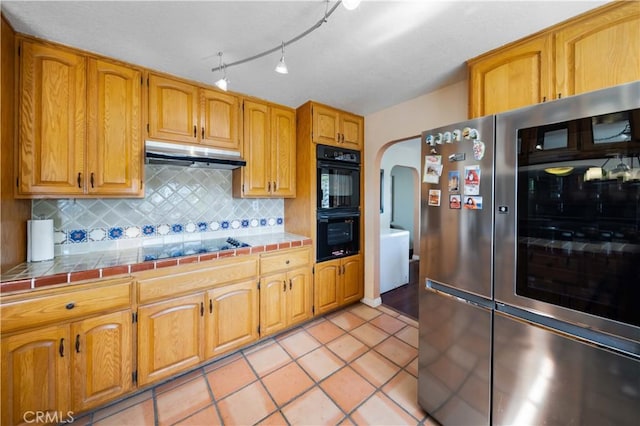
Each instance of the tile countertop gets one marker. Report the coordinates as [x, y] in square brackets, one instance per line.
[95, 265]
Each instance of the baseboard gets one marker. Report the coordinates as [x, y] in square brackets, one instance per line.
[372, 302]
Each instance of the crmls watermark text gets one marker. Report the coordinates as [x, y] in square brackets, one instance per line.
[58, 417]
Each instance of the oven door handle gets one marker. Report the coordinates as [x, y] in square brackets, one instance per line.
[325, 217]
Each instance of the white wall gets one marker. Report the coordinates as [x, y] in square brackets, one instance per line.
[382, 129]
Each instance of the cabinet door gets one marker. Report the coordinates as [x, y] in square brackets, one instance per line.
[599, 51]
[512, 78]
[170, 336]
[352, 284]
[102, 351]
[52, 121]
[326, 125]
[299, 297]
[273, 306]
[352, 131]
[173, 110]
[233, 321]
[326, 286]
[219, 120]
[35, 375]
[114, 146]
[256, 175]
[283, 152]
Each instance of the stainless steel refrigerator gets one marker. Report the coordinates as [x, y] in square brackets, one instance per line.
[530, 265]
[456, 273]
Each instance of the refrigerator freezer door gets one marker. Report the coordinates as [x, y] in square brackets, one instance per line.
[456, 239]
[543, 377]
[454, 376]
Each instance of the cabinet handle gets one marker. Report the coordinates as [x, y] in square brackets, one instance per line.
[290, 284]
[274, 187]
[559, 95]
[61, 347]
[342, 269]
[70, 305]
[337, 137]
[195, 130]
[342, 137]
[203, 132]
[201, 309]
[79, 180]
[284, 285]
[91, 179]
[77, 343]
[339, 270]
[544, 99]
[210, 306]
[269, 187]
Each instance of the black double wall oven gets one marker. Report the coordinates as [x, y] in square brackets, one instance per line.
[338, 202]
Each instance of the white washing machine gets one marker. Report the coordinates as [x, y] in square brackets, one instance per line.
[394, 258]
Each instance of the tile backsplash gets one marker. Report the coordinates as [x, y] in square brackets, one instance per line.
[179, 203]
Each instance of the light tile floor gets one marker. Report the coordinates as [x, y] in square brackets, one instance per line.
[358, 366]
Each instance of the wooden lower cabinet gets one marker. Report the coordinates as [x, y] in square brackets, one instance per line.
[170, 335]
[233, 317]
[56, 371]
[102, 359]
[338, 282]
[35, 375]
[285, 299]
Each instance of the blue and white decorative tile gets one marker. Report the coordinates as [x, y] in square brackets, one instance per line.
[214, 226]
[190, 227]
[115, 233]
[235, 224]
[263, 222]
[77, 236]
[280, 221]
[177, 228]
[132, 232]
[203, 226]
[271, 221]
[224, 224]
[255, 223]
[164, 229]
[244, 223]
[97, 234]
[148, 230]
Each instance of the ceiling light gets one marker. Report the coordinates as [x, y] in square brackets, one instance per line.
[282, 67]
[350, 4]
[223, 83]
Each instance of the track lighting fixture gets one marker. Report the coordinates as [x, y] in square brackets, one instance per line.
[223, 83]
[282, 67]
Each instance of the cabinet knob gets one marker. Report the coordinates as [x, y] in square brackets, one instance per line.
[70, 305]
[287, 261]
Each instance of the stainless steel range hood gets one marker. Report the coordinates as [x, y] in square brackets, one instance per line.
[191, 156]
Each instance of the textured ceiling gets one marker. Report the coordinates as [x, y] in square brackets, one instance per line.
[379, 55]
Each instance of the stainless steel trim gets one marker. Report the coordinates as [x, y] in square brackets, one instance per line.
[157, 152]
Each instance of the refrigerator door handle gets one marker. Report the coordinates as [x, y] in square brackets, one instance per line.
[461, 296]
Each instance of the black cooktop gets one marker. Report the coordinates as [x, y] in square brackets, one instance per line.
[187, 248]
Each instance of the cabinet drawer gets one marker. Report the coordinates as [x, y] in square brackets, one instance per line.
[64, 305]
[167, 282]
[285, 260]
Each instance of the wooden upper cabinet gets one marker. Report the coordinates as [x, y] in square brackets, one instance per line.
[114, 145]
[269, 148]
[80, 125]
[173, 109]
[52, 121]
[599, 51]
[593, 51]
[283, 152]
[220, 120]
[511, 78]
[182, 112]
[338, 128]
